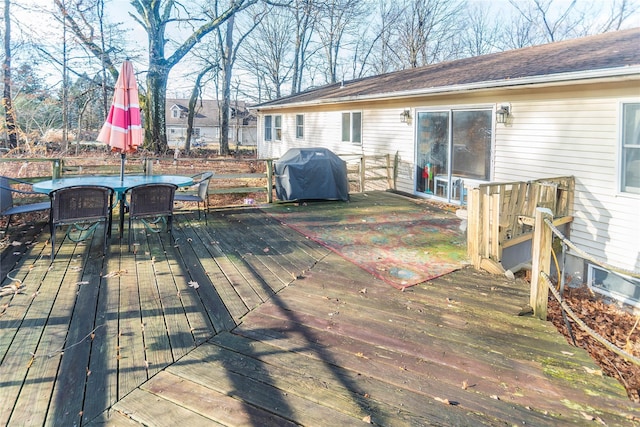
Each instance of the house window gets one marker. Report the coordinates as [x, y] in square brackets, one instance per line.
[630, 152]
[299, 126]
[614, 285]
[352, 127]
[267, 128]
[272, 128]
[175, 113]
[277, 127]
[196, 132]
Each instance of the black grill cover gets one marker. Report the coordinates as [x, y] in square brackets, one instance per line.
[311, 174]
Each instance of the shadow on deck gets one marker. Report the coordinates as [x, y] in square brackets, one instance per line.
[245, 321]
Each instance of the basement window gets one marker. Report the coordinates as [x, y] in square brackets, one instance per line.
[619, 287]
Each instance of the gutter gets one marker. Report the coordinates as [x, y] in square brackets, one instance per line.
[580, 77]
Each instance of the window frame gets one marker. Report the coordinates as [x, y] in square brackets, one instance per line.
[268, 127]
[272, 127]
[351, 126]
[624, 148]
[277, 127]
[299, 126]
[611, 291]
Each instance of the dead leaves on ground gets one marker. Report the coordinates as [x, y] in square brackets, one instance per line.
[615, 324]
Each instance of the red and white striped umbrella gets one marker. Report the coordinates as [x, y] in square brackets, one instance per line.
[123, 128]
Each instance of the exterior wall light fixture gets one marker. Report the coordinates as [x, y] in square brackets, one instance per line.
[503, 113]
[405, 116]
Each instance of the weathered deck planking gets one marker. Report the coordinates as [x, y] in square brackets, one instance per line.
[279, 331]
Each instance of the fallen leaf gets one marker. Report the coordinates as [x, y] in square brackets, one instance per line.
[445, 401]
[194, 285]
[588, 417]
[593, 371]
[367, 419]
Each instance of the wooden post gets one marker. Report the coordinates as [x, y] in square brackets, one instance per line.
[147, 166]
[269, 180]
[495, 200]
[56, 172]
[541, 262]
[362, 173]
[390, 183]
[473, 226]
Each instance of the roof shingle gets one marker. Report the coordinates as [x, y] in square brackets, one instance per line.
[600, 52]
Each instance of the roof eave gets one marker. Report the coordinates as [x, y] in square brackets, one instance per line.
[540, 81]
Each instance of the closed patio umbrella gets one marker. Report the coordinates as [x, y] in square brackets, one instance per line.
[122, 130]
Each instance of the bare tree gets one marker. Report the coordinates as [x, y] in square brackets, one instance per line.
[481, 31]
[618, 14]
[427, 30]
[155, 17]
[374, 52]
[193, 101]
[539, 13]
[305, 13]
[337, 19]
[545, 21]
[229, 49]
[9, 113]
[270, 52]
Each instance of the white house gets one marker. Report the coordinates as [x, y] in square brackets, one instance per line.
[569, 108]
[206, 123]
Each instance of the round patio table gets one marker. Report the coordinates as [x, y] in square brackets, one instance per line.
[112, 181]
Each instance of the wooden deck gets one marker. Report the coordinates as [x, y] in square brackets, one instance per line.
[245, 322]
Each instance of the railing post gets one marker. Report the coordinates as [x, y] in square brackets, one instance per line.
[473, 227]
[269, 180]
[56, 172]
[362, 173]
[541, 262]
[147, 166]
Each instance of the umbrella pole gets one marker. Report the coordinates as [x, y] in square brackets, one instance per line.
[122, 158]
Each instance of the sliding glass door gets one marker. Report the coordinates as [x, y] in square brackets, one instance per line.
[451, 146]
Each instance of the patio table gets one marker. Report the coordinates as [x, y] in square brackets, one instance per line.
[113, 181]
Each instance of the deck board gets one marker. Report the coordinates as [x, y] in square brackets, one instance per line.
[292, 335]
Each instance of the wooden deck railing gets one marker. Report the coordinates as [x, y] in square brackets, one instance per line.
[232, 176]
[500, 215]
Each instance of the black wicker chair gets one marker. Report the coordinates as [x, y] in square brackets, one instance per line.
[7, 207]
[201, 194]
[151, 201]
[82, 208]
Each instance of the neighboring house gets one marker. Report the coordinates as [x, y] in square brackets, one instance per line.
[206, 123]
[573, 109]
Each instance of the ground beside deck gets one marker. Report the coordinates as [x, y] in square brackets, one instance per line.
[243, 321]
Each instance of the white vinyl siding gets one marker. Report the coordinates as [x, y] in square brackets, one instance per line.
[579, 137]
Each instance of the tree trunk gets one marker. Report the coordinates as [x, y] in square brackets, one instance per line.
[227, 61]
[195, 94]
[9, 114]
[154, 109]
